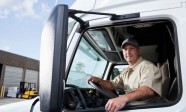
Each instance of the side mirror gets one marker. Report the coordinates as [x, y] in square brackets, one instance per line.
[53, 60]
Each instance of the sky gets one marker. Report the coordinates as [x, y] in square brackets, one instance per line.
[21, 24]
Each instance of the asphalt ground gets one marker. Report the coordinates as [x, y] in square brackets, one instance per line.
[4, 101]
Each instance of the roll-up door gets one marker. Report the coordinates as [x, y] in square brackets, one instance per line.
[31, 76]
[12, 76]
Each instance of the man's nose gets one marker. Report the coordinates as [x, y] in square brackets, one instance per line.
[128, 50]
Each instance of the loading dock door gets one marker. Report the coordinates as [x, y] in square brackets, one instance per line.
[12, 76]
[31, 76]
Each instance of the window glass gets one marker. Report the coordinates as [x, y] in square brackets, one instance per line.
[86, 62]
[100, 37]
[117, 70]
[71, 23]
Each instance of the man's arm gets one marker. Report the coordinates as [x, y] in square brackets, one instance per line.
[118, 103]
[141, 93]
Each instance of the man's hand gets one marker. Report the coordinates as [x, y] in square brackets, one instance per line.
[118, 103]
[94, 79]
[115, 104]
[104, 83]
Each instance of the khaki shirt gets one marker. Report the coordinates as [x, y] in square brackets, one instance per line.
[143, 73]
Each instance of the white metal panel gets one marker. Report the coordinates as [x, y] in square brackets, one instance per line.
[13, 76]
[122, 7]
[80, 5]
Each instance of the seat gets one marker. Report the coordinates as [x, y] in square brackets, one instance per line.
[173, 92]
[164, 69]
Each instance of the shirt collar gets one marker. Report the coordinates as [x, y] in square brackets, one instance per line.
[139, 61]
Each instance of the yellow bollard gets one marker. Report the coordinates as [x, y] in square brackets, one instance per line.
[2, 91]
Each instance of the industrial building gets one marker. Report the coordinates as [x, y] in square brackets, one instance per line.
[15, 68]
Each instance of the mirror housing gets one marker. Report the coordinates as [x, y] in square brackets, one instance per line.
[53, 60]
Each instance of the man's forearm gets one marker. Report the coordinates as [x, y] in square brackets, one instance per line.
[140, 93]
[105, 84]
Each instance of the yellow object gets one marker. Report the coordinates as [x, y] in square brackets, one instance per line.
[2, 91]
[27, 90]
[29, 94]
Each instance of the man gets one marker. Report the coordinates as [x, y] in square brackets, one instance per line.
[141, 80]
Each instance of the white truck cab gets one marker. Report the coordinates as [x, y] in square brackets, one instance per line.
[86, 39]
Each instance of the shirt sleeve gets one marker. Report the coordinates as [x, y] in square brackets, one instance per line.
[151, 77]
[117, 82]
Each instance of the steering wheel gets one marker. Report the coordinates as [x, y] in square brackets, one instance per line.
[108, 93]
[80, 95]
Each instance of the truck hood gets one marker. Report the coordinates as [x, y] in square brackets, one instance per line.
[21, 106]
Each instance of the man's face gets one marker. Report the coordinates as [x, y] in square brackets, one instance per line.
[131, 53]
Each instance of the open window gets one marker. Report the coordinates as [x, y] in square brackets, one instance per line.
[157, 41]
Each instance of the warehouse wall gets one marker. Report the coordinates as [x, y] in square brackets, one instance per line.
[15, 68]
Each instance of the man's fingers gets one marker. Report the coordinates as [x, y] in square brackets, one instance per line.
[93, 79]
[106, 106]
[110, 106]
[90, 79]
[113, 105]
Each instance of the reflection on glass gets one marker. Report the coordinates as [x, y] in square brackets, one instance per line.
[100, 37]
[86, 62]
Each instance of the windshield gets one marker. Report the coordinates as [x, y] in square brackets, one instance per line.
[86, 62]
